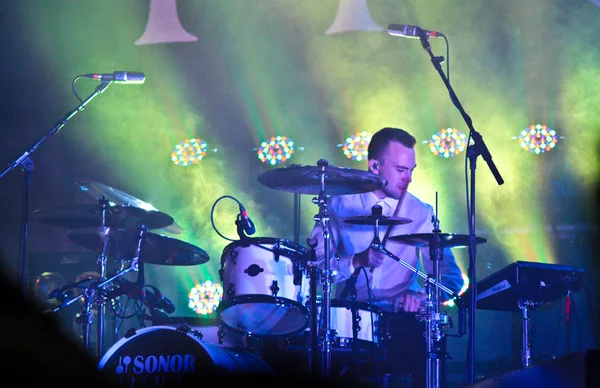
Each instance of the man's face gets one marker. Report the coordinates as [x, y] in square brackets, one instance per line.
[396, 165]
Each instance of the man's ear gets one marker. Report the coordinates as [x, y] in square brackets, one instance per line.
[374, 166]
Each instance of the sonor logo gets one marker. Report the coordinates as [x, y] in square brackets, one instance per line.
[152, 364]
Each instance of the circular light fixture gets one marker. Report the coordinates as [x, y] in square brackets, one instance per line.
[204, 298]
[189, 152]
[356, 146]
[276, 150]
[538, 139]
[447, 143]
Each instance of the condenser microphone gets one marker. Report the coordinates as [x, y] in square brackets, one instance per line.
[408, 31]
[351, 284]
[247, 223]
[120, 77]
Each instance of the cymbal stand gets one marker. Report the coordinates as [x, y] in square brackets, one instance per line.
[429, 310]
[313, 305]
[86, 317]
[327, 334]
[101, 262]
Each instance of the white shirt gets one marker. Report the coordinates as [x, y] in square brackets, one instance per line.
[392, 278]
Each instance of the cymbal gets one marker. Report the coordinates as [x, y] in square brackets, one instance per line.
[98, 190]
[82, 216]
[446, 240]
[383, 220]
[154, 249]
[306, 179]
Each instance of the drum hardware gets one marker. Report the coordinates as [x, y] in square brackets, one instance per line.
[27, 165]
[474, 150]
[313, 301]
[156, 248]
[429, 309]
[93, 216]
[260, 276]
[117, 197]
[322, 180]
[93, 293]
[165, 356]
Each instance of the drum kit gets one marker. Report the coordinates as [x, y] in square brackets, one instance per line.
[262, 277]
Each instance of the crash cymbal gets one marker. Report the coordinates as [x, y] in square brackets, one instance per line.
[98, 190]
[383, 220]
[154, 249]
[302, 179]
[446, 240]
[120, 216]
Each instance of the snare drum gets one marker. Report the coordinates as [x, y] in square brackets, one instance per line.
[165, 356]
[261, 287]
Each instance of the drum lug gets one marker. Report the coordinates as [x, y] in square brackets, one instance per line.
[234, 255]
[231, 291]
[274, 288]
[221, 273]
[221, 334]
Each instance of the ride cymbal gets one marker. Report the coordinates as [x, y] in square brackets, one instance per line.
[306, 179]
[383, 220]
[445, 240]
[98, 190]
[83, 216]
[154, 248]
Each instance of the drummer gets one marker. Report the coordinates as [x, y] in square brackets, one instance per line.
[392, 287]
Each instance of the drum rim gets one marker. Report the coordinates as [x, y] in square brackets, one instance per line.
[121, 342]
[341, 303]
[249, 298]
[266, 240]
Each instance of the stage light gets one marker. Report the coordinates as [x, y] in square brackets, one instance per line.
[204, 298]
[353, 15]
[356, 146]
[464, 288]
[189, 152]
[276, 150]
[447, 143]
[538, 139]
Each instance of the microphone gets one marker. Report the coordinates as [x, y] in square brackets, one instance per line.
[409, 31]
[350, 284]
[161, 301]
[247, 224]
[120, 77]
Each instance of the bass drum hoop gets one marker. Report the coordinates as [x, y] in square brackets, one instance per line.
[266, 299]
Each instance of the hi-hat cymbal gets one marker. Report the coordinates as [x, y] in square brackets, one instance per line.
[302, 179]
[446, 240]
[383, 220]
[154, 249]
[83, 216]
[98, 190]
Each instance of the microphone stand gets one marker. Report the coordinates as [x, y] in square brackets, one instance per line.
[27, 165]
[473, 151]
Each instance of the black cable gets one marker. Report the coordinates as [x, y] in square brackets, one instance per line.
[212, 219]
[552, 356]
[375, 358]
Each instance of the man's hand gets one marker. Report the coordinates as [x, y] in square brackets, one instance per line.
[368, 258]
[410, 301]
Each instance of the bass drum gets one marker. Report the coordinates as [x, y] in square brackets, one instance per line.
[165, 356]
